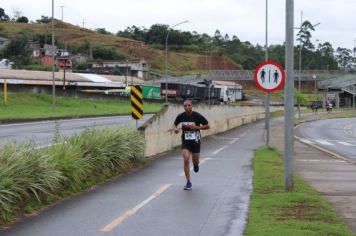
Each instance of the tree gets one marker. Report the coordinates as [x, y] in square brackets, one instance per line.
[22, 19]
[102, 31]
[44, 20]
[344, 58]
[304, 35]
[3, 16]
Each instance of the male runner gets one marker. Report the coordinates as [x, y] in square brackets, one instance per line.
[192, 123]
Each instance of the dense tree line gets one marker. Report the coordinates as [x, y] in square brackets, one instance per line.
[323, 56]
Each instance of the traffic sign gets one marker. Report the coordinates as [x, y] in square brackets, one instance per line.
[136, 102]
[269, 76]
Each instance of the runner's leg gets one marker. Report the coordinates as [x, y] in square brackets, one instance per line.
[186, 156]
[195, 157]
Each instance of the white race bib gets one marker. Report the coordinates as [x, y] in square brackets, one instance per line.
[190, 135]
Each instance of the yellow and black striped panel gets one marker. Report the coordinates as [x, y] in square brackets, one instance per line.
[136, 103]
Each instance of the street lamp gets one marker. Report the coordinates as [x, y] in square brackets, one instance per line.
[300, 60]
[169, 28]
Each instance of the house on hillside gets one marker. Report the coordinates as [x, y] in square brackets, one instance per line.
[137, 68]
[62, 57]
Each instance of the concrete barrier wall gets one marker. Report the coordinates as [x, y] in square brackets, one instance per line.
[160, 136]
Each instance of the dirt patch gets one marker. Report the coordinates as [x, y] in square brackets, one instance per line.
[304, 212]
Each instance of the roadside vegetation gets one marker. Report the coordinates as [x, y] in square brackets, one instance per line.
[26, 106]
[276, 212]
[32, 178]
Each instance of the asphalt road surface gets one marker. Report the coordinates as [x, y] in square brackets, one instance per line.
[42, 132]
[151, 200]
[336, 135]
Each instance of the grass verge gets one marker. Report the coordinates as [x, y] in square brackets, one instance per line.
[22, 106]
[274, 211]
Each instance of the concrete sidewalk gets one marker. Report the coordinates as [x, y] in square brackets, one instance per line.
[333, 178]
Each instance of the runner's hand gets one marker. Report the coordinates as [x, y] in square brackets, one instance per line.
[176, 130]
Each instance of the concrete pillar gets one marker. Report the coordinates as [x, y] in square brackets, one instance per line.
[337, 100]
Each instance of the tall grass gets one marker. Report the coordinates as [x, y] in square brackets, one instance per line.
[30, 176]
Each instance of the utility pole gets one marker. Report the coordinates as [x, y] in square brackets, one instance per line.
[62, 12]
[289, 99]
[83, 23]
[267, 97]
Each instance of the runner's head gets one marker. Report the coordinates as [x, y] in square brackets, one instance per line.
[188, 106]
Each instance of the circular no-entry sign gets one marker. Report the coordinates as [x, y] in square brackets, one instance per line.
[269, 76]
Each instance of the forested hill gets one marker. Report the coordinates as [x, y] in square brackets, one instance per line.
[189, 52]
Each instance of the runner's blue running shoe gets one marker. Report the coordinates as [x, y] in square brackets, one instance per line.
[188, 186]
[196, 168]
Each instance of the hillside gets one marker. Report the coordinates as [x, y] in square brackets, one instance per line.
[74, 37]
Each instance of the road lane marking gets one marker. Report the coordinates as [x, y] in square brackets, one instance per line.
[220, 149]
[324, 142]
[243, 134]
[132, 211]
[306, 141]
[234, 140]
[200, 163]
[332, 161]
[346, 144]
[348, 130]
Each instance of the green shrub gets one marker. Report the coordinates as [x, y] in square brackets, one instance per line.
[30, 177]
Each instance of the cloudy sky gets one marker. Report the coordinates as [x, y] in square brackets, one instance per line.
[243, 18]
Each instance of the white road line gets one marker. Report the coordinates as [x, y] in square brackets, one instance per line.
[132, 211]
[306, 141]
[321, 160]
[243, 134]
[347, 144]
[324, 142]
[220, 149]
[234, 140]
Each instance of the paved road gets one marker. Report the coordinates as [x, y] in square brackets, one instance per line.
[41, 133]
[151, 201]
[336, 135]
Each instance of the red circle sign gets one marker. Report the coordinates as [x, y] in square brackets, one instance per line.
[269, 76]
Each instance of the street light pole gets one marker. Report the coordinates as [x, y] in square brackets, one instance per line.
[167, 55]
[300, 64]
[53, 83]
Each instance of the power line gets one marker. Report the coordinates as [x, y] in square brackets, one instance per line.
[78, 14]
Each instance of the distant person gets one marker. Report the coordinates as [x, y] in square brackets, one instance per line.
[314, 107]
[192, 123]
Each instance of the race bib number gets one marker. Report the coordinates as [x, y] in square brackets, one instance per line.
[190, 135]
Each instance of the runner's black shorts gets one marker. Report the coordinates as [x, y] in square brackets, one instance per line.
[193, 147]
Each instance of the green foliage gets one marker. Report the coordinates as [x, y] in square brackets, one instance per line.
[44, 20]
[102, 31]
[39, 67]
[105, 53]
[22, 19]
[16, 51]
[274, 211]
[29, 175]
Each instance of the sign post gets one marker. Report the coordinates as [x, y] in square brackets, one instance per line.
[269, 77]
[136, 103]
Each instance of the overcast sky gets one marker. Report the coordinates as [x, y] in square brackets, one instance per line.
[243, 18]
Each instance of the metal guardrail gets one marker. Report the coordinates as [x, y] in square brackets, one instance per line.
[233, 75]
